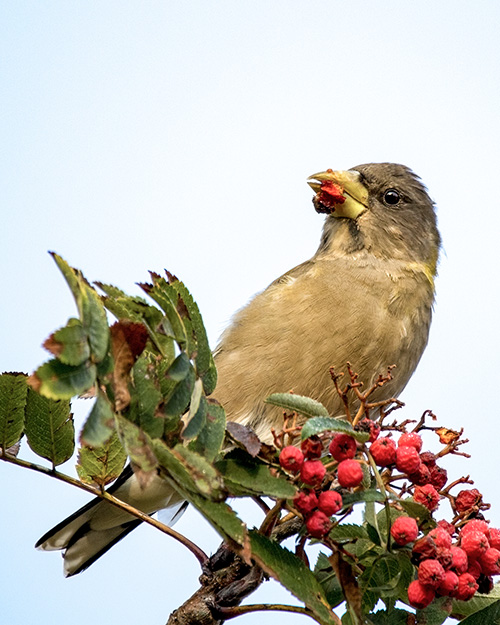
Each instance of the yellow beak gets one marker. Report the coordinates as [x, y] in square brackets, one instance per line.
[354, 191]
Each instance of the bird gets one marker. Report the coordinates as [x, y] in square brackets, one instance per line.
[365, 297]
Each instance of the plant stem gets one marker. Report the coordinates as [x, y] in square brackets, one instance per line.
[229, 613]
[118, 503]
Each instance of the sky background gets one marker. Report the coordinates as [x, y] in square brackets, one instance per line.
[144, 135]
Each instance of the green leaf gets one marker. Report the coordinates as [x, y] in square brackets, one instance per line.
[146, 397]
[209, 441]
[478, 602]
[174, 326]
[325, 575]
[13, 397]
[189, 470]
[393, 617]
[379, 579]
[415, 510]
[222, 517]
[316, 425]
[204, 359]
[198, 421]
[362, 495]
[245, 476]
[181, 395]
[56, 380]
[136, 443]
[101, 465]
[437, 613]
[486, 616]
[49, 428]
[70, 344]
[298, 403]
[90, 308]
[100, 423]
[293, 574]
[348, 531]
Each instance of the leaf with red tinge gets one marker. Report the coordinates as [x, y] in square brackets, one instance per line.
[128, 340]
[245, 436]
[348, 583]
[69, 344]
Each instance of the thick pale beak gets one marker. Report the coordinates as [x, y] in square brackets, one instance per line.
[353, 190]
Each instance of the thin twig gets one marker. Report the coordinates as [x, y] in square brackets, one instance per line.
[229, 613]
[198, 553]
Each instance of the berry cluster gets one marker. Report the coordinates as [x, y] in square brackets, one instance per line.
[455, 568]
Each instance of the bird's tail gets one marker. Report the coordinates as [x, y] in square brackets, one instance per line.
[91, 531]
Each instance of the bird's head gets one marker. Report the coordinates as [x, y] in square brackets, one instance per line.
[380, 207]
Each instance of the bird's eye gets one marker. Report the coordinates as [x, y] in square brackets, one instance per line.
[392, 197]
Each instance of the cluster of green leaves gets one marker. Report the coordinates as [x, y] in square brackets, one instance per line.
[151, 375]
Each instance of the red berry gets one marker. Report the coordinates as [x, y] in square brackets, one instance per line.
[291, 459]
[441, 537]
[467, 499]
[407, 459]
[490, 561]
[383, 451]
[312, 447]
[330, 502]
[424, 548]
[427, 495]
[428, 458]
[312, 472]
[422, 476]
[372, 427]
[410, 439]
[467, 587]
[342, 447]
[493, 536]
[430, 573]
[404, 530]
[305, 501]
[439, 477]
[475, 525]
[474, 543]
[349, 473]
[420, 596]
[459, 560]
[318, 524]
[474, 569]
[445, 558]
[449, 585]
[448, 527]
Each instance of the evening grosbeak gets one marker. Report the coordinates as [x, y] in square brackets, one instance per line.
[365, 297]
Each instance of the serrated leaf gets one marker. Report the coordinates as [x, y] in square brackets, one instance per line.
[137, 444]
[69, 344]
[245, 476]
[204, 359]
[101, 465]
[298, 403]
[394, 617]
[56, 380]
[362, 495]
[415, 510]
[437, 613]
[189, 470]
[486, 616]
[223, 519]
[348, 531]
[293, 574]
[478, 602]
[197, 422]
[379, 579]
[100, 423]
[146, 397]
[325, 575]
[175, 327]
[90, 308]
[209, 441]
[49, 428]
[13, 397]
[317, 425]
[181, 395]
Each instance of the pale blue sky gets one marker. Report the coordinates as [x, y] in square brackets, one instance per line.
[143, 135]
